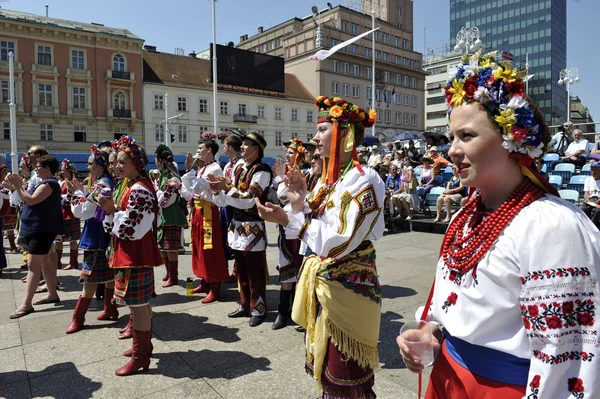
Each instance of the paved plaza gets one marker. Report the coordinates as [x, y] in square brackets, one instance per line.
[198, 351]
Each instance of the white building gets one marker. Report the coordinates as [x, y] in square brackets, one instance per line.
[276, 116]
[437, 64]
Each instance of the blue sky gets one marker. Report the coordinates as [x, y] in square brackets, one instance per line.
[187, 24]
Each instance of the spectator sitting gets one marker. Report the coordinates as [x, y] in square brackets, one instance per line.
[453, 194]
[427, 178]
[361, 154]
[413, 154]
[575, 153]
[398, 159]
[591, 194]
[408, 199]
[387, 162]
[393, 185]
[390, 149]
[595, 153]
[382, 173]
[438, 160]
[375, 159]
[561, 140]
[539, 163]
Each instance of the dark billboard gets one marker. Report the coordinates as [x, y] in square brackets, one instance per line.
[248, 69]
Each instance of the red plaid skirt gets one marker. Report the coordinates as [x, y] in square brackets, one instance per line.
[72, 230]
[10, 219]
[98, 264]
[171, 238]
[134, 287]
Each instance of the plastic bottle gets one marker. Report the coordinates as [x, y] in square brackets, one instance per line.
[189, 287]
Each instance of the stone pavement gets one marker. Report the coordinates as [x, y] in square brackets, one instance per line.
[198, 351]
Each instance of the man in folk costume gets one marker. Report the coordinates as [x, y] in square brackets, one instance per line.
[290, 258]
[247, 236]
[173, 215]
[133, 223]
[338, 297]
[232, 147]
[72, 224]
[208, 255]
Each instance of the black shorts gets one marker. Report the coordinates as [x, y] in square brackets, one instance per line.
[39, 243]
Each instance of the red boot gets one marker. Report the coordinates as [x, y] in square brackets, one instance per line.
[127, 332]
[110, 309]
[214, 293]
[73, 263]
[129, 352]
[173, 274]
[79, 315]
[140, 358]
[203, 288]
[166, 276]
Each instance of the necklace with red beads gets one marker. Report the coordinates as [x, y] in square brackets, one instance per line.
[462, 250]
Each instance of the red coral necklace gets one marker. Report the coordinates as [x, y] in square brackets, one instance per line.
[462, 251]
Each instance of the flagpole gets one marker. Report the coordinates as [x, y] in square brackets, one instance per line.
[373, 67]
[214, 64]
[14, 162]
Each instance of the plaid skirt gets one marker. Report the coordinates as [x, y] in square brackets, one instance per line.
[170, 239]
[95, 269]
[10, 220]
[134, 287]
[72, 230]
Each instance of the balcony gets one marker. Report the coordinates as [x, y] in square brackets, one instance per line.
[121, 113]
[121, 75]
[244, 118]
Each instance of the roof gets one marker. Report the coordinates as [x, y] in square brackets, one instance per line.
[63, 23]
[185, 71]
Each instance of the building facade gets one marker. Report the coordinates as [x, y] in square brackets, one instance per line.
[183, 83]
[400, 80]
[582, 119]
[525, 28]
[76, 83]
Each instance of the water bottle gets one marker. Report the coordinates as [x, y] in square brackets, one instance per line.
[189, 287]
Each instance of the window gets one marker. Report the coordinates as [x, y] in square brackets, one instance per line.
[386, 57]
[202, 106]
[385, 38]
[77, 59]
[398, 98]
[294, 114]
[400, 11]
[261, 133]
[46, 131]
[386, 76]
[345, 26]
[346, 68]
[354, 49]
[406, 119]
[224, 108]
[159, 101]
[345, 89]
[181, 104]
[355, 70]
[5, 93]
[5, 48]
[355, 91]
[412, 63]
[396, 60]
[80, 133]
[378, 95]
[45, 94]
[387, 96]
[398, 118]
[368, 72]
[388, 116]
[242, 109]
[414, 120]
[369, 93]
[398, 79]
[309, 116]
[278, 113]
[406, 80]
[203, 129]
[44, 55]
[367, 52]
[159, 133]
[120, 131]
[280, 42]
[278, 139]
[335, 88]
[379, 115]
[334, 66]
[333, 43]
[404, 61]
[404, 43]
[309, 137]
[377, 54]
[6, 130]
[119, 63]
[79, 98]
[413, 82]
[119, 101]
[260, 110]
[354, 29]
[413, 101]
[406, 99]
[182, 134]
[377, 35]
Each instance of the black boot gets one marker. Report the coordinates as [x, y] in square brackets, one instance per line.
[283, 310]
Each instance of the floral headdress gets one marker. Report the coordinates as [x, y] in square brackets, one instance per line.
[128, 145]
[25, 160]
[100, 156]
[68, 165]
[298, 146]
[343, 115]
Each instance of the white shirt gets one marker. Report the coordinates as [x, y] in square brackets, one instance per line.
[591, 186]
[578, 146]
[374, 159]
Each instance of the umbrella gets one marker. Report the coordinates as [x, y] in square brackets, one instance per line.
[438, 137]
[371, 140]
[406, 136]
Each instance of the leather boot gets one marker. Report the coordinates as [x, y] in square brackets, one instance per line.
[283, 310]
[127, 331]
[203, 288]
[59, 253]
[166, 276]
[79, 315]
[129, 352]
[110, 309]
[100, 291]
[214, 294]
[73, 263]
[128, 325]
[140, 358]
[173, 274]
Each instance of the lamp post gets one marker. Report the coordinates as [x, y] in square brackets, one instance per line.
[468, 39]
[567, 77]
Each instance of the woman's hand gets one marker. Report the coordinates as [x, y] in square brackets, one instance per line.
[189, 161]
[412, 362]
[296, 189]
[14, 180]
[74, 185]
[271, 213]
[173, 182]
[106, 203]
[278, 168]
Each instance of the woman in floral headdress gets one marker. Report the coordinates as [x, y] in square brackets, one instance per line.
[290, 258]
[94, 240]
[514, 299]
[72, 224]
[338, 297]
[133, 224]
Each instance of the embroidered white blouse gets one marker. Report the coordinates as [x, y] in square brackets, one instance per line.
[194, 184]
[534, 296]
[81, 207]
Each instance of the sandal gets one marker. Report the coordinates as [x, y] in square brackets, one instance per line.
[41, 290]
[45, 301]
[20, 313]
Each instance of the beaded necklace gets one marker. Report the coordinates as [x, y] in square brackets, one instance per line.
[462, 250]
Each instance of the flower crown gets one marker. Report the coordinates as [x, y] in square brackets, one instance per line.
[128, 145]
[498, 87]
[25, 159]
[99, 155]
[344, 113]
[298, 146]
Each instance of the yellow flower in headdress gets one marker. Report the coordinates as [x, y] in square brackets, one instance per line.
[457, 91]
[506, 120]
[484, 63]
[362, 115]
[372, 114]
[508, 74]
[336, 111]
[327, 102]
[336, 99]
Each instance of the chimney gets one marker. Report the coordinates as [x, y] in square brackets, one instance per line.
[193, 54]
[246, 37]
[150, 48]
[242, 38]
[260, 29]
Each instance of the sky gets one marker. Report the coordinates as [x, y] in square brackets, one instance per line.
[187, 24]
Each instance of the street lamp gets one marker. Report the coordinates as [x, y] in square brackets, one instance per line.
[468, 39]
[567, 77]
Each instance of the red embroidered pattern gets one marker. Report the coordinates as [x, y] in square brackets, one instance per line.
[563, 357]
[576, 387]
[534, 387]
[140, 202]
[553, 273]
[557, 315]
[457, 276]
[451, 300]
